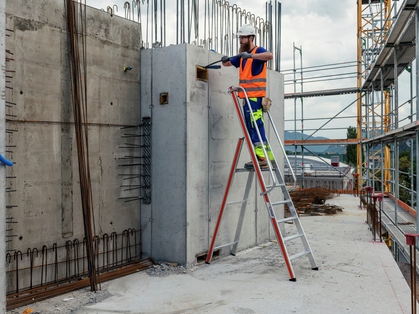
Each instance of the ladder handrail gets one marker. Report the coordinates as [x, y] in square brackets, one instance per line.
[284, 152]
[234, 90]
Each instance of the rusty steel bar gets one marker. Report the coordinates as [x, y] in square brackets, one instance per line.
[78, 75]
[38, 294]
[71, 259]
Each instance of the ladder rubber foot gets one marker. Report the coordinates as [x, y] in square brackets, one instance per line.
[293, 279]
[233, 254]
[315, 268]
[207, 262]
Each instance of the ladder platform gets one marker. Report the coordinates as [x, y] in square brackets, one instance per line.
[295, 236]
[300, 254]
[286, 219]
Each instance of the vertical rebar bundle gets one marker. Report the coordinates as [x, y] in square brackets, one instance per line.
[76, 26]
[211, 24]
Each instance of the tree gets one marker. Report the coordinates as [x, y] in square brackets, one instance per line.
[351, 149]
[404, 177]
[404, 164]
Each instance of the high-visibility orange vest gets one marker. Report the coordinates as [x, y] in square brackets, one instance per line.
[255, 86]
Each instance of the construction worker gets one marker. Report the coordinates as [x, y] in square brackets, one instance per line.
[252, 63]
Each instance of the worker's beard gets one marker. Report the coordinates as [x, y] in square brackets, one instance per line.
[245, 47]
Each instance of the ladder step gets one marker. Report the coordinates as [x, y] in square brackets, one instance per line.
[295, 236]
[286, 219]
[236, 202]
[281, 202]
[224, 245]
[293, 257]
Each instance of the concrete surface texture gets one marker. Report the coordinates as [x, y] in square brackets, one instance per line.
[355, 275]
[3, 152]
[43, 144]
[193, 143]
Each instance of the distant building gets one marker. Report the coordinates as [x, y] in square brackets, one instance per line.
[318, 172]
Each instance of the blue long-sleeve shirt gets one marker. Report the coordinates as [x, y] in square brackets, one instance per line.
[257, 65]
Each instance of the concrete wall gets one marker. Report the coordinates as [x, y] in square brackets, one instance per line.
[3, 152]
[194, 140]
[46, 171]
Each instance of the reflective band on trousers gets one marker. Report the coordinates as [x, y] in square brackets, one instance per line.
[253, 81]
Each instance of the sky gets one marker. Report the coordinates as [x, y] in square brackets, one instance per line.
[326, 31]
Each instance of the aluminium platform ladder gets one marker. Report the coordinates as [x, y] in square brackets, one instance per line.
[278, 182]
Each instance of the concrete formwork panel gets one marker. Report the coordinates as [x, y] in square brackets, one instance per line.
[2, 151]
[47, 180]
[197, 155]
[193, 144]
[169, 156]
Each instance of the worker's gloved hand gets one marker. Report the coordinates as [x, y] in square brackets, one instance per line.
[246, 55]
[225, 59]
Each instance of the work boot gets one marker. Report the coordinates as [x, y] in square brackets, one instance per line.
[262, 163]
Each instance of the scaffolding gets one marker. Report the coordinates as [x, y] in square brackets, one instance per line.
[387, 41]
[387, 76]
[306, 75]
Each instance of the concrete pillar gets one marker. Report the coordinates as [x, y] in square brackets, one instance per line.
[2, 151]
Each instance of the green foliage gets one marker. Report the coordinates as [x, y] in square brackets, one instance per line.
[351, 149]
[351, 132]
[404, 164]
[404, 178]
[404, 194]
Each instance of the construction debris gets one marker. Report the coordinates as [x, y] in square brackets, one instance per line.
[166, 269]
[312, 202]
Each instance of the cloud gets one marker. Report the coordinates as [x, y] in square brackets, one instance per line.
[326, 30]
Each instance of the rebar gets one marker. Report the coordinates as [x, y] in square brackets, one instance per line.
[68, 258]
[76, 17]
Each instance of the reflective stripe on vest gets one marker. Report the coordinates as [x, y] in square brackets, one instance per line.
[255, 86]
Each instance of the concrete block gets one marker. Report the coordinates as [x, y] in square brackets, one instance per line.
[47, 179]
[200, 129]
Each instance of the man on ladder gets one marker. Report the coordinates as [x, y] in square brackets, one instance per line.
[252, 63]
